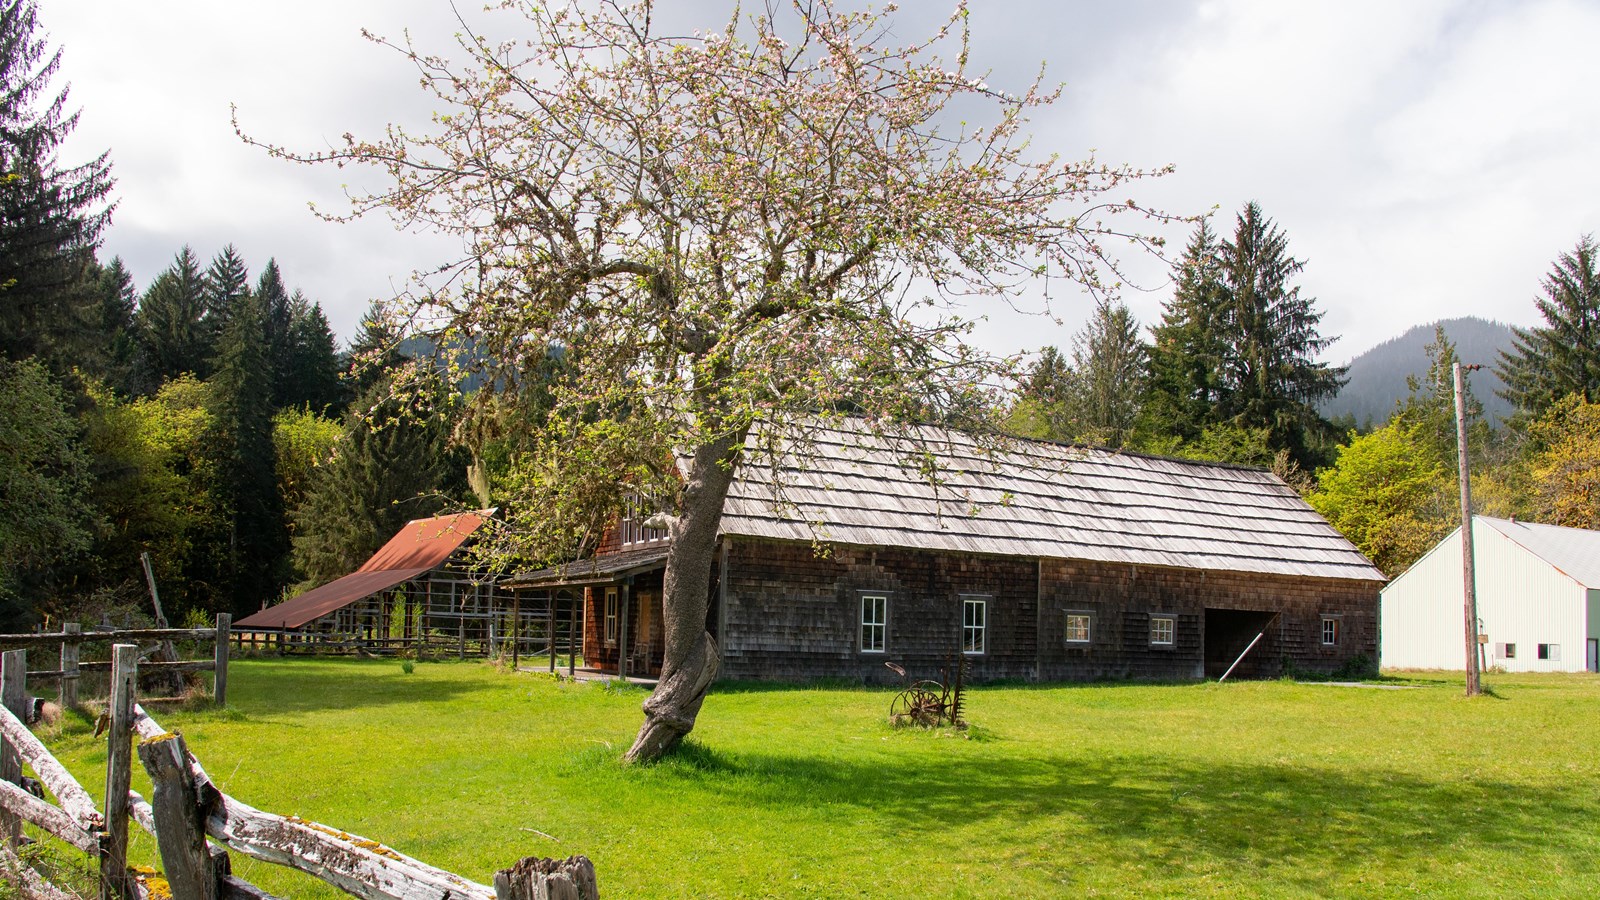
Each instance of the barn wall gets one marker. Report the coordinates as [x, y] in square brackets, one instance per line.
[1522, 600]
[792, 615]
[1123, 598]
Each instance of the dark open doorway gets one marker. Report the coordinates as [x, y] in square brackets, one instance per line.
[1229, 631]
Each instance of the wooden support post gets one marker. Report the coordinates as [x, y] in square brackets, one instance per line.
[14, 695]
[180, 822]
[219, 686]
[550, 626]
[622, 627]
[572, 642]
[547, 879]
[115, 881]
[68, 695]
[516, 630]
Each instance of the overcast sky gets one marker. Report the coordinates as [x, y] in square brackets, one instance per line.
[1427, 158]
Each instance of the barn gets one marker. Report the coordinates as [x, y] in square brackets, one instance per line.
[418, 589]
[1538, 593]
[1034, 561]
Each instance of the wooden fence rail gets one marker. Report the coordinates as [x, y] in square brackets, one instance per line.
[72, 636]
[186, 808]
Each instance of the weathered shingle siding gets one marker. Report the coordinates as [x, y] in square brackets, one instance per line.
[1122, 599]
[793, 615]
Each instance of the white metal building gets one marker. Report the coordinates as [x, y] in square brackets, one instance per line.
[1538, 601]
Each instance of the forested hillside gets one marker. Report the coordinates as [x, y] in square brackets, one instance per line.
[1377, 378]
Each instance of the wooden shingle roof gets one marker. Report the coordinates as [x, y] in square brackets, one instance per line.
[1033, 498]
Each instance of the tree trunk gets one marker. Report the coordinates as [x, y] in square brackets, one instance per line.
[689, 664]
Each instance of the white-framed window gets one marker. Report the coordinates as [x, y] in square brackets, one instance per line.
[874, 622]
[1162, 630]
[1080, 627]
[631, 529]
[611, 617]
[1330, 631]
[1551, 652]
[974, 624]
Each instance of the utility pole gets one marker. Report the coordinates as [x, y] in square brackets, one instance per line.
[1468, 570]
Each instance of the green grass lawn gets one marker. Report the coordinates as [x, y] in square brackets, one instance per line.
[1242, 789]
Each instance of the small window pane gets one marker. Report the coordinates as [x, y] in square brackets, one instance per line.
[874, 611]
[1550, 652]
[611, 616]
[974, 623]
[1077, 628]
[1161, 630]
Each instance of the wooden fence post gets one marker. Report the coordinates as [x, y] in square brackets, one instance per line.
[115, 882]
[219, 686]
[180, 824]
[547, 879]
[13, 694]
[69, 667]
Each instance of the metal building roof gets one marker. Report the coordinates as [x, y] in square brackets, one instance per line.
[1574, 551]
[421, 546]
[843, 484]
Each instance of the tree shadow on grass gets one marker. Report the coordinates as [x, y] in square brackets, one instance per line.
[1301, 822]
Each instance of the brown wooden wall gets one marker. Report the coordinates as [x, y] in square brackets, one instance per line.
[646, 591]
[793, 615]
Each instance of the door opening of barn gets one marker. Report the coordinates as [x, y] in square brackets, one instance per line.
[1228, 632]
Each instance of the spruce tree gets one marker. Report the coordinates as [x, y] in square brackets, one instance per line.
[1270, 376]
[393, 464]
[1187, 348]
[313, 361]
[1108, 365]
[1562, 357]
[171, 326]
[241, 392]
[51, 215]
[274, 299]
[375, 351]
[224, 286]
[116, 357]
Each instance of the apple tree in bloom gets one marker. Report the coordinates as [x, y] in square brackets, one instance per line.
[781, 219]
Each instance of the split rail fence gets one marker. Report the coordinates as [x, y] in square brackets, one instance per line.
[187, 810]
[159, 655]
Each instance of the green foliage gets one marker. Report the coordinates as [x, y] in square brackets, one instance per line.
[1565, 463]
[51, 215]
[302, 441]
[311, 371]
[172, 329]
[1563, 356]
[392, 464]
[242, 431]
[1250, 789]
[154, 489]
[1389, 493]
[1238, 344]
[1095, 399]
[43, 476]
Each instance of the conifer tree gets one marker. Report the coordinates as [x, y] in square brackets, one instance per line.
[224, 286]
[1271, 378]
[393, 464]
[51, 215]
[116, 358]
[375, 351]
[1109, 365]
[1563, 356]
[171, 323]
[312, 371]
[1185, 359]
[241, 392]
[274, 299]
